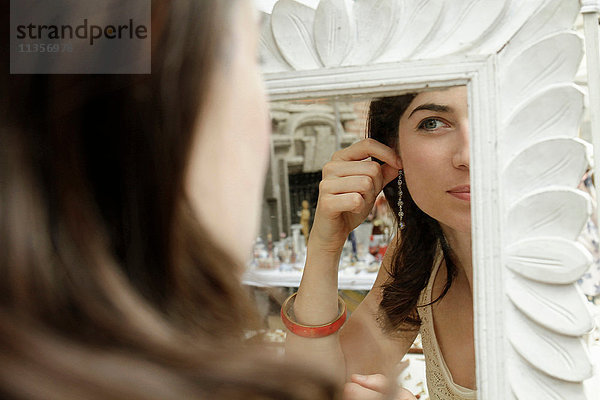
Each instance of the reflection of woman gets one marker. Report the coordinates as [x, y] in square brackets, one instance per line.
[425, 282]
[121, 228]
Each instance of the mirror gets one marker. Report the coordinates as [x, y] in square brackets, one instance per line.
[518, 61]
[432, 129]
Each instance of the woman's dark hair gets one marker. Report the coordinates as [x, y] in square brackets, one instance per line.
[420, 240]
[109, 286]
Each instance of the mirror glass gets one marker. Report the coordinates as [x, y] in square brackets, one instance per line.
[432, 138]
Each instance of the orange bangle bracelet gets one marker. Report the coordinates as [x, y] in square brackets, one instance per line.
[312, 331]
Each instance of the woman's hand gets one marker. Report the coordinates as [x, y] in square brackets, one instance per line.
[372, 387]
[348, 190]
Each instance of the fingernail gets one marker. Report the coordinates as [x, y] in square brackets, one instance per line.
[358, 377]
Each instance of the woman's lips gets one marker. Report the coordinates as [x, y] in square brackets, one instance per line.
[461, 192]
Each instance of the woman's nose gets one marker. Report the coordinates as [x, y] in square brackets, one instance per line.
[462, 154]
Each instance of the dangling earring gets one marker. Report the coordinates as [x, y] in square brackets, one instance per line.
[400, 203]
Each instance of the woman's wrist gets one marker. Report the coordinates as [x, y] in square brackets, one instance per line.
[324, 245]
[313, 330]
[317, 295]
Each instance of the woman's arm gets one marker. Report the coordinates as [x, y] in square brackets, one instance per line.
[367, 349]
[316, 303]
[347, 193]
[361, 347]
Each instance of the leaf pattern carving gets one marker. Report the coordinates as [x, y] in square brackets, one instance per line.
[559, 356]
[376, 23]
[465, 24]
[565, 313]
[560, 212]
[344, 32]
[334, 31]
[292, 25]
[559, 162]
[552, 60]
[549, 260]
[418, 23]
[269, 53]
[530, 383]
[553, 112]
[550, 17]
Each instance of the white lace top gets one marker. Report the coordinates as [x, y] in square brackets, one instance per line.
[439, 380]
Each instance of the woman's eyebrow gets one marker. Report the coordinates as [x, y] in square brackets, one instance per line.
[432, 107]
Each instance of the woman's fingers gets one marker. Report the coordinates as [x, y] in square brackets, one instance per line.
[335, 204]
[368, 148]
[405, 395]
[354, 391]
[376, 382]
[349, 188]
[372, 386]
[362, 184]
[352, 162]
[340, 169]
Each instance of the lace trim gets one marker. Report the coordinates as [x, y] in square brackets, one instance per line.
[439, 380]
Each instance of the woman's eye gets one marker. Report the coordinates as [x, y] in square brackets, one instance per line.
[431, 124]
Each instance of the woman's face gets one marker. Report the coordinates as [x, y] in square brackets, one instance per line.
[230, 154]
[434, 148]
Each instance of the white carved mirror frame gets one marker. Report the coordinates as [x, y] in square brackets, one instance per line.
[519, 60]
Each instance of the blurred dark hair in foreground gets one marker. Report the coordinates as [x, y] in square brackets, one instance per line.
[109, 286]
